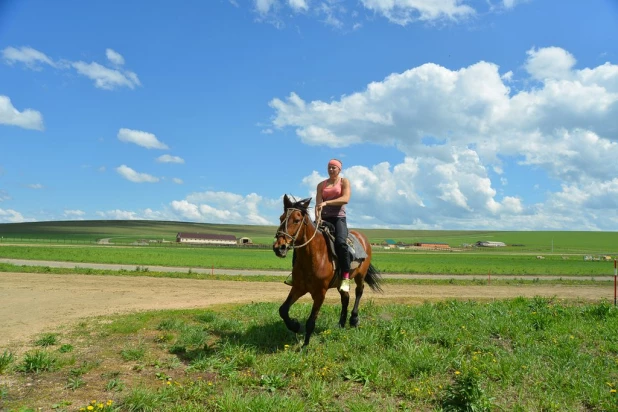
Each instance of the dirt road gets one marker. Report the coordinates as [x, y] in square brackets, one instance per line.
[31, 304]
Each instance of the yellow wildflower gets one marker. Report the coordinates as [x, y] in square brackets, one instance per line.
[457, 372]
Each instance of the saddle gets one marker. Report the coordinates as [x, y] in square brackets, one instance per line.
[355, 248]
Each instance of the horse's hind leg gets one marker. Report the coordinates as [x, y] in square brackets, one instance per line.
[284, 310]
[360, 286]
[345, 301]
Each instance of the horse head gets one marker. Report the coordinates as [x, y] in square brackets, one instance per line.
[295, 215]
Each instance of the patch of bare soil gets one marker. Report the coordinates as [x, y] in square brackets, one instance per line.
[31, 303]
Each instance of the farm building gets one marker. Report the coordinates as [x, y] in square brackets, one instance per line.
[432, 245]
[205, 238]
[245, 241]
[486, 243]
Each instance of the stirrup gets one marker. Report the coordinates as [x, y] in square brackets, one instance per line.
[289, 280]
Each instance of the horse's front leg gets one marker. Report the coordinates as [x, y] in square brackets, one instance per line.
[360, 287]
[284, 310]
[318, 300]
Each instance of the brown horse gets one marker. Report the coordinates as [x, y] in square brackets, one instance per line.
[314, 269]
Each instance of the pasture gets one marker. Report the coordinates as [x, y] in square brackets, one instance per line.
[395, 261]
[127, 232]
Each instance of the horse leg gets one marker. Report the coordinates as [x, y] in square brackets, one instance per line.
[284, 310]
[318, 300]
[360, 287]
[345, 301]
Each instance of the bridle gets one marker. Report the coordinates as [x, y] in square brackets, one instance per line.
[291, 244]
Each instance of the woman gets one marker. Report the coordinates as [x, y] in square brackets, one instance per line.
[331, 197]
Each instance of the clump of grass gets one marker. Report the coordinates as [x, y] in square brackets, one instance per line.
[66, 348]
[466, 394]
[37, 361]
[74, 382]
[47, 339]
[6, 359]
[133, 352]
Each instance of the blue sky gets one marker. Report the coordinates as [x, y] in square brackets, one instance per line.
[446, 114]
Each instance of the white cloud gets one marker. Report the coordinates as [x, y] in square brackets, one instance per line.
[27, 55]
[170, 159]
[224, 207]
[407, 11]
[145, 214]
[119, 215]
[298, 5]
[144, 139]
[114, 57]
[565, 128]
[35, 186]
[27, 119]
[134, 176]
[74, 214]
[12, 216]
[265, 6]
[509, 4]
[550, 63]
[106, 78]
[177, 180]
[4, 196]
[347, 15]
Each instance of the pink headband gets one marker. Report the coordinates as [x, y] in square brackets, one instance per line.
[335, 162]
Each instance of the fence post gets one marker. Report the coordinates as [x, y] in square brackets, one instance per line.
[615, 276]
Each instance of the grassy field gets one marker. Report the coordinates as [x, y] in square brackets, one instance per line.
[515, 355]
[263, 259]
[124, 232]
[563, 252]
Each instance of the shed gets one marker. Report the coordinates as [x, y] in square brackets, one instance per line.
[205, 238]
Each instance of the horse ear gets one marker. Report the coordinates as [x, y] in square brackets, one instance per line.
[305, 203]
[286, 202]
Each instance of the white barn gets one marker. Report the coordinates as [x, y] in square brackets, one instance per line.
[487, 243]
[205, 239]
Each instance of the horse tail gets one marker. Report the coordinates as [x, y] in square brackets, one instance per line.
[374, 279]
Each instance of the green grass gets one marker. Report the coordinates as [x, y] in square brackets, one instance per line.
[399, 261]
[124, 232]
[516, 355]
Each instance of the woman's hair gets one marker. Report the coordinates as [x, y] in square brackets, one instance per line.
[335, 162]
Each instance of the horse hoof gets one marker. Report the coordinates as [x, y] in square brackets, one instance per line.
[354, 323]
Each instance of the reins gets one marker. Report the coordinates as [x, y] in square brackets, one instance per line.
[293, 238]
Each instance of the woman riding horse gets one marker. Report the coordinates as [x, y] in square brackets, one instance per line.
[314, 268]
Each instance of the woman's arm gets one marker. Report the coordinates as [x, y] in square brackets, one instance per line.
[318, 202]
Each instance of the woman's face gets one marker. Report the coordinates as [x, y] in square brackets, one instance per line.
[333, 171]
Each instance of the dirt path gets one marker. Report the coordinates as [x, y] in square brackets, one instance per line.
[31, 304]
